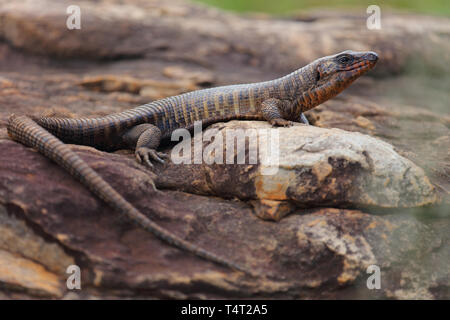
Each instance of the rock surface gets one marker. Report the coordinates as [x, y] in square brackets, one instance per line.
[312, 167]
[126, 55]
[313, 253]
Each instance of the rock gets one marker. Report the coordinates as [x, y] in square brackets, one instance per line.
[149, 88]
[314, 167]
[28, 262]
[20, 273]
[417, 134]
[315, 253]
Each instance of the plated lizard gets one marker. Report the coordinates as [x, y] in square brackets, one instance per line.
[280, 102]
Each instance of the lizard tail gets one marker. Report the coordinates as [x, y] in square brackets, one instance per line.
[26, 131]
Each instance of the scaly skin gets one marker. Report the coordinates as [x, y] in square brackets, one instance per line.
[281, 102]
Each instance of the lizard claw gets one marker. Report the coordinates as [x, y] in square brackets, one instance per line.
[144, 154]
[162, 155]
[281, 123]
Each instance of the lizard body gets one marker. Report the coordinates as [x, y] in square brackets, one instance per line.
[280, 101]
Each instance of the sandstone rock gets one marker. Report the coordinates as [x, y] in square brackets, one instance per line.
[28, 262]
[151, 89]
[318, 253]
[314, 167]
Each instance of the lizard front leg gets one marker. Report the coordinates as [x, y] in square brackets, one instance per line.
[271, 111]
[145, 138]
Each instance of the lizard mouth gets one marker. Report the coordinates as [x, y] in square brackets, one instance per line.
[361, 66]
[367, 62]
[358, 68]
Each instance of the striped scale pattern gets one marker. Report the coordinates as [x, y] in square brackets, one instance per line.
[207, 105]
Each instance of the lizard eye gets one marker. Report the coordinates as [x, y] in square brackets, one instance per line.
[344, 59]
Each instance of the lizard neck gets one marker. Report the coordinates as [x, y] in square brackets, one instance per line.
[293, 85]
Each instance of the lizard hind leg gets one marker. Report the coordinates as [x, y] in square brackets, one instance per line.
[145, 139]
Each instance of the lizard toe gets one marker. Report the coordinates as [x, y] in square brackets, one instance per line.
[281, 123]
[154, 156]
[147, 154]
[162, 155]
[143, 156]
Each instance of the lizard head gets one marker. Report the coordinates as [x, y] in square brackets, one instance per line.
[332, 74]
[344, 68]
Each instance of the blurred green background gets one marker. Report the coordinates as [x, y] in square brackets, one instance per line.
[437, 7]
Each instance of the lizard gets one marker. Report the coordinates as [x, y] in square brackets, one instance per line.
[281, 102]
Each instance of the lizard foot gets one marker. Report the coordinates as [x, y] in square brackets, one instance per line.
[278, 122]
[144, 155]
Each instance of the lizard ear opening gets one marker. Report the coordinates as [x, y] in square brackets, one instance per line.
[318, 73]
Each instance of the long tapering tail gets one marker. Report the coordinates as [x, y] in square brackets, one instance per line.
[26, 131]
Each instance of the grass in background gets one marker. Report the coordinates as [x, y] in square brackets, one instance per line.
[436, 7]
